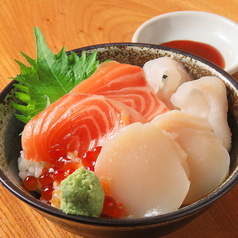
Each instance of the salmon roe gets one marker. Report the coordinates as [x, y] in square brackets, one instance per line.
[61, 170]
[46, 179]
[112, 208]
[30, 183]
[50, 174]
[89, 159]
[46, 192]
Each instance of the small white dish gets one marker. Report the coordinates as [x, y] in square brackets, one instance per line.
[205, 27]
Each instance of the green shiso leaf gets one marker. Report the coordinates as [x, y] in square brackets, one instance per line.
[49, 77]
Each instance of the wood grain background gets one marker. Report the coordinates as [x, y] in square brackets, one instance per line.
[77, 23]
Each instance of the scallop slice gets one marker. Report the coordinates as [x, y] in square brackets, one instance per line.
[147, 169]
[206, 97]
[207, 159]
[165, 75]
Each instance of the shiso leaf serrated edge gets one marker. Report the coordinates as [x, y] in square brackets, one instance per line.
[49, 77]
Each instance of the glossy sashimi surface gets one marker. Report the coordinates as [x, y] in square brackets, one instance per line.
[165, 75]
[147, 170]
[125, 83]
[76, 123]
[206, 97]
[112, 75]
[142, 99]
[207, 159]
[156, 140]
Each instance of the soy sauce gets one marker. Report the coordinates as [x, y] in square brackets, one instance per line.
[203, 50]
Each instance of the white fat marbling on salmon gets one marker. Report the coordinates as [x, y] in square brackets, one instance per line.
[142, 99]
[124, 83]
[147, 169]
[75, 123]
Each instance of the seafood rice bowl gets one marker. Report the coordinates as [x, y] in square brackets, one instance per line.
[130, 143]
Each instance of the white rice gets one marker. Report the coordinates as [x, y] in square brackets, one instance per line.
[27, 168]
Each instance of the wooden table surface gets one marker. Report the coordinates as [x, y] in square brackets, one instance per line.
[77, 23]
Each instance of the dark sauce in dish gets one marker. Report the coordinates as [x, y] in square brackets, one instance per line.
[203, 50]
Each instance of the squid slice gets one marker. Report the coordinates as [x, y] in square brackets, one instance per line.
[207, 159]
[148, 170]
[206, 97]
[165, 75]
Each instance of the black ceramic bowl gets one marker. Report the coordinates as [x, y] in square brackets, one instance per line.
[156, 226]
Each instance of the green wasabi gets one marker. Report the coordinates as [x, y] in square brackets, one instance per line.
[82, 194]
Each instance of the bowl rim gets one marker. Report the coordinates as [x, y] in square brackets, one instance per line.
[185, 211]
[135, 38]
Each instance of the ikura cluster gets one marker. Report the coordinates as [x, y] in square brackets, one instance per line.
[50, 174]
[55, 173]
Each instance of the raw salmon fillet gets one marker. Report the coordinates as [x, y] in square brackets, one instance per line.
[76, 123]
[125, 83]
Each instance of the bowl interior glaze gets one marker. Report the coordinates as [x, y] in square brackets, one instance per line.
[137, 54]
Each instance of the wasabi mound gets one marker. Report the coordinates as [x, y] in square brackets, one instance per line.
[82, 194]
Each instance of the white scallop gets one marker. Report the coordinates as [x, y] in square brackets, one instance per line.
[147, 169]
[207, 159]
[206, 97]
[165, 75]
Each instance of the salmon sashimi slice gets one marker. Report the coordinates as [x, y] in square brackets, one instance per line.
[75, 123]
[112, 75]
[125, 83]
[142, 99]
